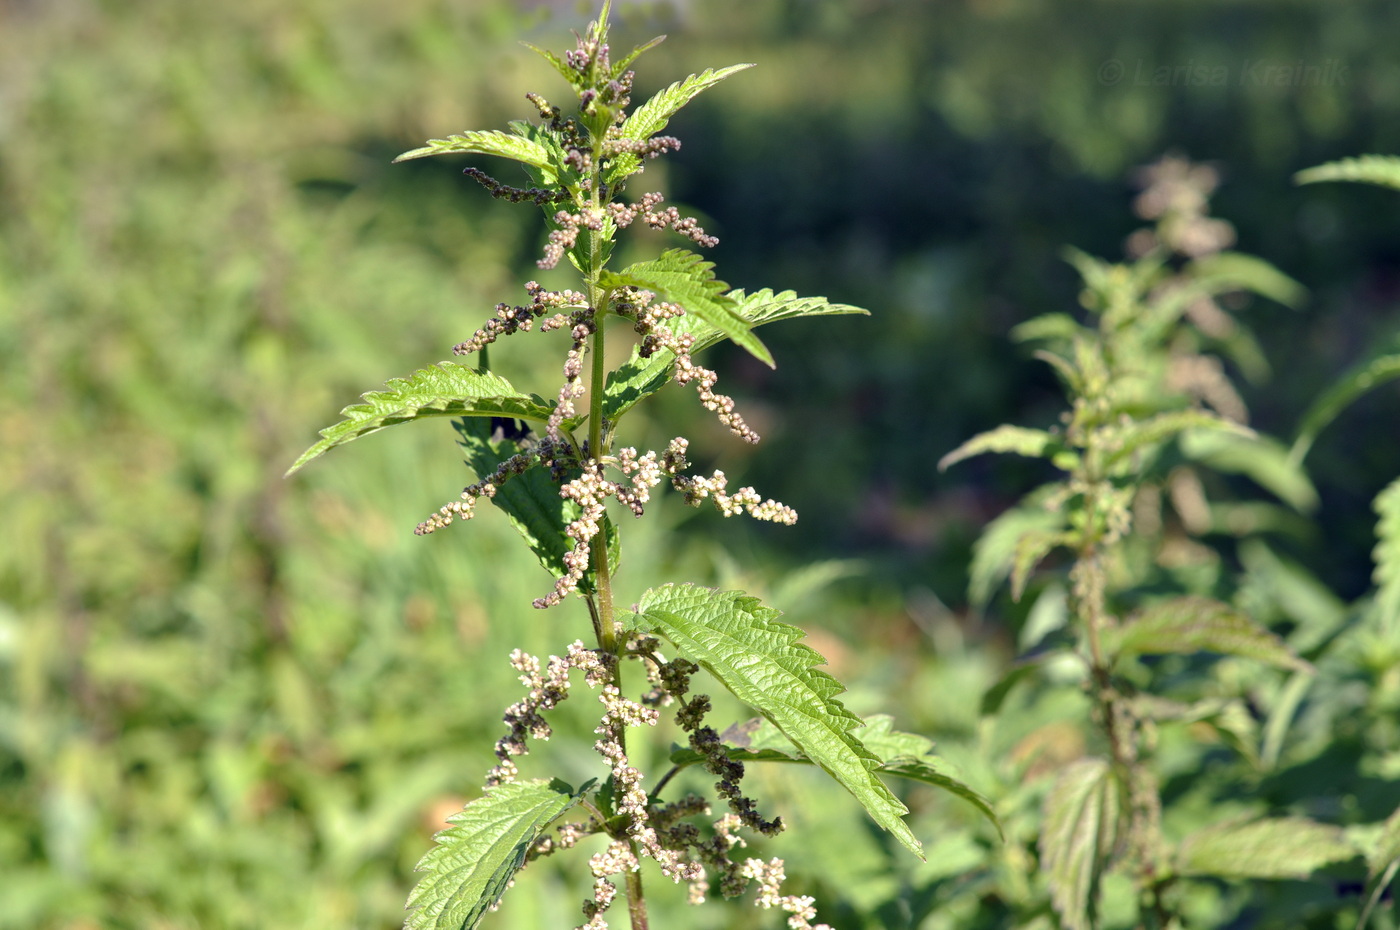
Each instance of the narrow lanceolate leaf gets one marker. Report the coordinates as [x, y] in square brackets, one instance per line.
[741, 643]
[1288, 847]
[1082, 814]
[1387, 556]
[994, 555]
[1164, 426]
[651, 117]
[484, 142]
[530, 500]
[468, 870]
[444, 390]
[1338, 397]
[1032, 443]
[1235, 271]
[684, 278]
[1262, 458]
[1370, 169]
[1188, 625]
[904, 755]
[640, 377]
[557, 63]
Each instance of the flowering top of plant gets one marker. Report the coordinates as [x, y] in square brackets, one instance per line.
[553, 479]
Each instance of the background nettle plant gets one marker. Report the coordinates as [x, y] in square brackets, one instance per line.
[553, 465]
[1186, 767]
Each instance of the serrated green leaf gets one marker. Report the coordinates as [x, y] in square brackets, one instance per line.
[632, 56]
[651, 117]
[1286, 847]
[1048, 327]
[444, 390]
[994, 553]
[904, 755]
[640, 377]
[1019, 440]
[683, 277]
[485, 142]
[1031, 548]
[1187, 625]
[1082, 813]
[1234, 271]
[1230, 719]
[557, 63]
[530, 500]
[468, 870]
[1261, 458]
[1369, 169]
[1387, 555]
[741, 643]
[1338, 397]
[1163, 426]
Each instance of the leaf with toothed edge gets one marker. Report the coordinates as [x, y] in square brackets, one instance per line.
[651, 117]
[741, 643]
[531, 500]
[484, 142]
[1082, 826]
[475, 860]
[447, 389]
[641, 377]
[684, 278]
[903, 755]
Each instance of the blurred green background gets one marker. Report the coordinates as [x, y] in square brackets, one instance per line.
[233, 701]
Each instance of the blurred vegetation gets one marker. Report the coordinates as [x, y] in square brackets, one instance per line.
[230, 701]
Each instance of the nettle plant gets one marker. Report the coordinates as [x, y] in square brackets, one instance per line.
[553, 465]
[1176, 739]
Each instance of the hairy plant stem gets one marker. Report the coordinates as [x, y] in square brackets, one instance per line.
[601, 608]
[1120, 724]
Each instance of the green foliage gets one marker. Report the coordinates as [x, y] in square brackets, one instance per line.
[742, 644]
[1383, 170]
[1082, 827]
[1187, 625]
[530, 500]
[476, 860]
[444, 390]
[1289, 847]
[685, 278]
[651, 117]
[492, 142]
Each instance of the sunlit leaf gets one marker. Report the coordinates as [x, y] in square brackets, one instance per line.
[1261, 458]
[1234, 271]
[1287, 847]
[743, 645]
[1187, 625]
[1339, 396]
[485, 142]
[469, 869]
[1019, 440]
[530, 500]
[651, 117]
[444, 390]
[640, 377]
[1163, 426]
[683, 277]
[904, 755]
[1082, 813]
[1387, 556]
[994, 553]
[1370, 169]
